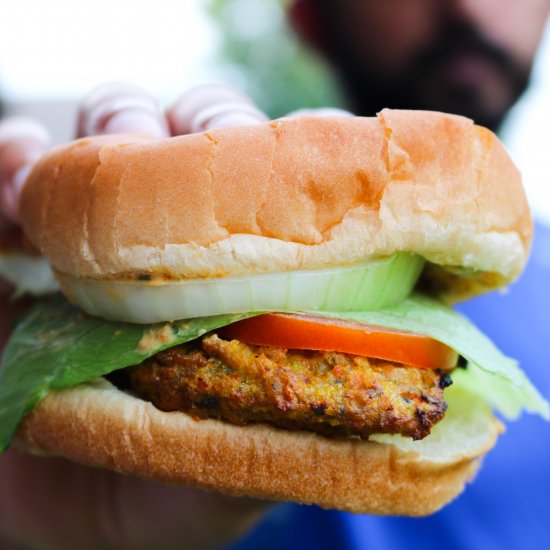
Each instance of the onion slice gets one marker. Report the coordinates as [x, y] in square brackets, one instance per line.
[369, 286]
[28, 274]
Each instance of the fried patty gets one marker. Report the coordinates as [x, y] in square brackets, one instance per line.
[330, 393]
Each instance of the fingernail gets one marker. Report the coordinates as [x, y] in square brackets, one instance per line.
[196, 109]
[132, 120]
[23, 128]
[119, 107]
[225, 120]
[226, 114]
[320, 112]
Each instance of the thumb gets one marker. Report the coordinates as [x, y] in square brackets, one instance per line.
[55, 503]
[22, 141]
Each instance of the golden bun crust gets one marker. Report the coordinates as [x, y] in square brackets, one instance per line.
[98, 425]
[292, 194]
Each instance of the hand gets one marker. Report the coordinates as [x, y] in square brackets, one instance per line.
[51, 502]
[22, 142]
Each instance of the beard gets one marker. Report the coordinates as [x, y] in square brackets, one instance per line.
[438, 78]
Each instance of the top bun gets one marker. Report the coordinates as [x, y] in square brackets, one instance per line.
[291, 194]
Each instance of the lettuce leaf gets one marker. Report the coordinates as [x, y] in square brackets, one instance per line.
[490, 374]
[57, 346]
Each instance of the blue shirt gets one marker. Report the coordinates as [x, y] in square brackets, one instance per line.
[508, 505]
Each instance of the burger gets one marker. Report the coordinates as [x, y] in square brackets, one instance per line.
[264, 310]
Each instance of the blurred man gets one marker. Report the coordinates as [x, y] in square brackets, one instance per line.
[471, 57]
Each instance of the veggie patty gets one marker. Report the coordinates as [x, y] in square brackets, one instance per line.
[330, 393]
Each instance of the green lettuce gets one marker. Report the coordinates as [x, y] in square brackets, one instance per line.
[56, 346]
[490, 374]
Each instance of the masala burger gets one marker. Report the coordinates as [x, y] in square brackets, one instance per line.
[263, 310]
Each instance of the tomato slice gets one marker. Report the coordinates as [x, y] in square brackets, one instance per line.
[291, 331]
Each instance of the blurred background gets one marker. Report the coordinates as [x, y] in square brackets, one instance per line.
[52, 53]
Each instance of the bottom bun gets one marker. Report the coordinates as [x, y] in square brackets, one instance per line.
[99, 425]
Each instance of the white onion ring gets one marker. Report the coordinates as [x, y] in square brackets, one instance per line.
[28, 274]
[369, 286]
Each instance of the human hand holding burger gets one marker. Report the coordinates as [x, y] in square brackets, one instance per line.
[263, 339]
[56, 502]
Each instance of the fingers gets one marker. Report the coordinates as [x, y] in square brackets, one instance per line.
[117, 107]
[60, 504]
[122, 107]
[22, 142]
[212, 106]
